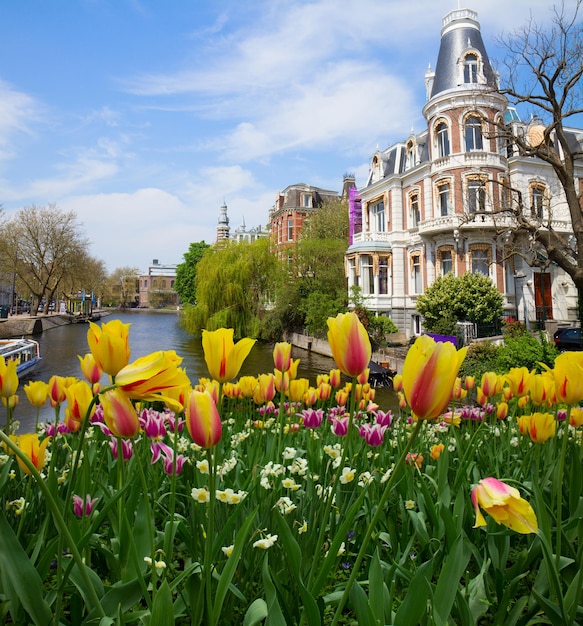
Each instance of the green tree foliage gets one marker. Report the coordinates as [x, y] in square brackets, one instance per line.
[316, 284]
[186, 272]
[234, 285]
[470, 297]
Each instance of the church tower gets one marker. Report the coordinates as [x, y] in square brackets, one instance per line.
[223, 229]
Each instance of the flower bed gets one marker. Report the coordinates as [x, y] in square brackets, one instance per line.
[276, 500]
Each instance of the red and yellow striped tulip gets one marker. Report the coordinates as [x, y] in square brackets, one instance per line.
[297, 389]
[8, 377]
[518, 380]
[109, 345]
[91, 371]
[335, 378]
[504, 504]
[429, 373]
[119, 413]
[568, 374]
[265, 391]
[541, 389]
[489, 384]
[282, 356]
[223, 357]
[202, 419]
[34, 449]
[576, 417]
[57, 390]
[79, 399]
[350, 343]
[542, 426]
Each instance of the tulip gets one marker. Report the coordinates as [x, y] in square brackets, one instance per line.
[568, 374]
[90, 369]
[56, 391]
[373, 434]
[119, 413]
[576, 417]
[414, 458]
[324, 391]
[127, 449]
[281, 380]
[37, 392]
[203, 420]
[8, 377]
[470, 383]
[429, 372]
[11, 402]
[72, 425]
[248, 384]
[340, 425]
[335, 378]
[79, 398]
[297, 389]
[504, 504]
[34, 449]
[312, 418]
[150, 376]
[223, 357]
[541, 389]
[342, 396]
[542, 426]
[458, 392]
[518, 379]
[82, 509]
[350, 343]
[282, 356]
[502, 410]
[265, 391]
[109, 345]
[398, 382]
[311, 396]
[523, 423]
[489, 384]
[436, 451]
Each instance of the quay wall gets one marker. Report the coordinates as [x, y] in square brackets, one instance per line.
[23, 325]
[390, 358]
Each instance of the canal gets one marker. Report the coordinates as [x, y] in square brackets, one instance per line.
[151, 331]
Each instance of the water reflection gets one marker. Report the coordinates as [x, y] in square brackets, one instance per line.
[151, 331]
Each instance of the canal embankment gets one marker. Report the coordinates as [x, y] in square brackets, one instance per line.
[390, 358]
[24, 325]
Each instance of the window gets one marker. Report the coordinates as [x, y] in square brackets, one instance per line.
[476, 195]
[383, 275]
[537, 201]
[473, 134]
[352, 276]
[410, 154]
[505, 194]
[443, 198]
[442, 136]
[290, 229]
[366, 274]
[307, 198]
[471, 68]
[445, 262]
[377, 212]
[416, 273]
[414, 208]
[480, 261]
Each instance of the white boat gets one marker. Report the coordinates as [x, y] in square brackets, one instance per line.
[25, 351]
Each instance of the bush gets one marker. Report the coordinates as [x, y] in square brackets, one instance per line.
[526, 351]
[482, 357]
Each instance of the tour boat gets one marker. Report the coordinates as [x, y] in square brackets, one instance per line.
[25, 351]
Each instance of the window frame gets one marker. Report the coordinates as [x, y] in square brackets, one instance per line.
[442, 139]
[473, 134]
[471, 68]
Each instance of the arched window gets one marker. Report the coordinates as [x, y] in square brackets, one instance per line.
[538, 200]
[442, 138]
[473, 133]
[414, 209]
[443, 190]
[411, 160]
[471, 68]
[480, 259]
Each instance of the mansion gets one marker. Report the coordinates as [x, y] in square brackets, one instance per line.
[433, 203]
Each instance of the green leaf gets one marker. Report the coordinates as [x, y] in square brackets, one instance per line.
[551, 610]
[79, 582]
[414, 606]
[294, 557]
[376, 587]
[19, 577]
[231, 565]
[478, 598]
[361, 606]
[122, 595]
[162, 609]
[451, 573]
[256, 613]
[274, 613]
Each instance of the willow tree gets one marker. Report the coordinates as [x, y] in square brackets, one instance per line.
[235, 283]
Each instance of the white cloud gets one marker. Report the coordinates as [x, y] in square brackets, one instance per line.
[18, 112]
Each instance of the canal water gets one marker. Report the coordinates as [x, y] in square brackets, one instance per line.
[151, 331]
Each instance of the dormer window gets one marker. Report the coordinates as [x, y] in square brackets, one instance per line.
[442, 139]
[473, 133]
[376, 168]
[410, 154]
[471, 68]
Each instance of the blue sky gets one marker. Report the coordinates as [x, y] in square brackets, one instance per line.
[144, 116]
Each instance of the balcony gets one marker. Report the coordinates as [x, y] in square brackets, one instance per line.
[366, 236]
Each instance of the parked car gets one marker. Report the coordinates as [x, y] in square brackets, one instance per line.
[568, 339]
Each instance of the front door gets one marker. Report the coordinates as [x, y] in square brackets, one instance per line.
[542, 296]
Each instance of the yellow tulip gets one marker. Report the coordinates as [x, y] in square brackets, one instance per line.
[518, 379]
[79, 398]
[56, 390]
[502, 410]
[151, 376]
[248, 384]
[119, 413]
[542, 426]
[568, 374]
[11, 402]
[429, 373]
[265, 391]
[504, 504]
[223, 357]
[541, 389]
[576, 416]
[350, 343]
[37, 392]
[34, 450]
[109, 345]
[8, 377]
[489, 384]
[297, 389]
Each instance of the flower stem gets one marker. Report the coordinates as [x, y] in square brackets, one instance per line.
[370, 528]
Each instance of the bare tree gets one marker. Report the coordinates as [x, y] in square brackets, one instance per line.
[122, 286]
[44, 246]
[542, 72]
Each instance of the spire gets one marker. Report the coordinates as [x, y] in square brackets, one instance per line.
[223, 229]
[462, 61]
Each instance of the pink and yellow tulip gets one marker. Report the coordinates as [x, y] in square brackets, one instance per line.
[109, 345]
[119, 413]
[203, 420]
[429, 373]
[504, 504]
[349, 343]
